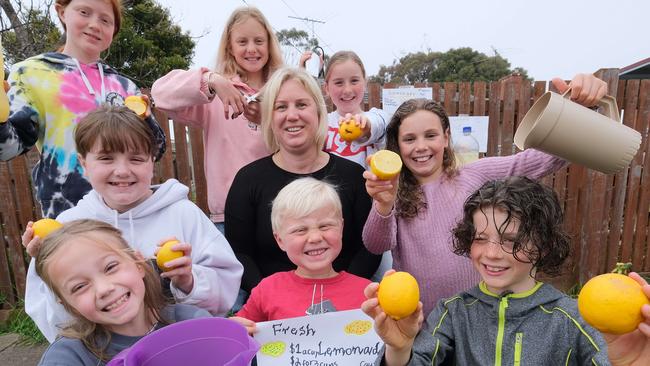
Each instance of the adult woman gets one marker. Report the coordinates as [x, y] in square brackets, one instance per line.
[294, 127]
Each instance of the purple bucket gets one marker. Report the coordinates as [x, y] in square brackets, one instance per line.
[196, 342]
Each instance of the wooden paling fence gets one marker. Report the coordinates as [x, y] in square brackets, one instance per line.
[607, 215]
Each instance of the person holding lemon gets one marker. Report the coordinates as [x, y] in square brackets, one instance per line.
[511, 229]
[414, 219]
[112, 291]
[116, 149]
[52, 91]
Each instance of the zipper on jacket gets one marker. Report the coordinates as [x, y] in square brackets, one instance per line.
[503, 305]
[518, 340]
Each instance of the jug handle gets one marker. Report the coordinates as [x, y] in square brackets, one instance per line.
[610, 108]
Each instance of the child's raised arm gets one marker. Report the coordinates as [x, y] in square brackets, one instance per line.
[632, 349]
[383, 192]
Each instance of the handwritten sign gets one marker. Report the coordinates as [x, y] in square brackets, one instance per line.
[392, 98]
[479, 125]
[337, 338]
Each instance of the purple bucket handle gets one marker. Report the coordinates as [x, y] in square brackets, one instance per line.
[203, 341]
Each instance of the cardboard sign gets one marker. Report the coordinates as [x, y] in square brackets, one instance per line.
[337, 338]
[392, 98]
[479, 125]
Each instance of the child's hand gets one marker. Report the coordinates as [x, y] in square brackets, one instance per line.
[230, 96]
[383, 192]
[397, 334]
[181, 268]
[304, 58]
[586, 89]
[632, 349]
[31, 242]
[359, 120]
[250, 326]
[252, 112]
[147, 113]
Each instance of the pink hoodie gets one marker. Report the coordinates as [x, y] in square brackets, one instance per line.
[228, 144]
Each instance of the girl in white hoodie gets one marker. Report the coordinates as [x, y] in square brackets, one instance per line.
[116, 150]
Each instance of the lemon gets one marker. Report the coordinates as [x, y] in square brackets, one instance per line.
[136, 104]
[166, 254]
[612, 303]
[44, 227]
[398, 295]
[349, 131]
[385, 164]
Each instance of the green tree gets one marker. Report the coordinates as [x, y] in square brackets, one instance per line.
[148, 45]
[296, 38]
[460, 64]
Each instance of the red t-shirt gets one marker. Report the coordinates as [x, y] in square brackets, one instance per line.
[286, 295]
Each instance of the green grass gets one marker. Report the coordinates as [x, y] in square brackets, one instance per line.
[20, 323]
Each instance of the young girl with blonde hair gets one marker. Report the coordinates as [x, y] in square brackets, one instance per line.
[114, 295]
[216, 101]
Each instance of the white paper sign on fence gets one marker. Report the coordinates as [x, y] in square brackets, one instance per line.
[337, 338]
[392, 98]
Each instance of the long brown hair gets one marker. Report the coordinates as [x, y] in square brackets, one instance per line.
[96, 337]
[226, 64]
[410, 197]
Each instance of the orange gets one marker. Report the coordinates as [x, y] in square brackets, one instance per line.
[612, 303]
[137, 104]
[44, 227]
[166, 254]
[385, 164]
[398, 295]
[349, 130]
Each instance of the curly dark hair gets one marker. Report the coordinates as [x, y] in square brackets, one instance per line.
[538, 211]
[410, 197]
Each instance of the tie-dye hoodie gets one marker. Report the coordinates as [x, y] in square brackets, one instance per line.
[49, 94]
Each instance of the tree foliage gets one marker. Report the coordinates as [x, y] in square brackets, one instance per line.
[296, 38]
[148, 45]
[460, 64]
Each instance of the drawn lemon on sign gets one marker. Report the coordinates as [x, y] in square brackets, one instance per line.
[358, 327]
[273, 349]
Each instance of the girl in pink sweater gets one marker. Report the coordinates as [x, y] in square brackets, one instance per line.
[249, 52]
[414, 219]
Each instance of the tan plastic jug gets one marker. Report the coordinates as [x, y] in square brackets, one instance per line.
[561, 127]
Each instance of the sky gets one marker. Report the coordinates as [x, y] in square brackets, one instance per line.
[548, 38]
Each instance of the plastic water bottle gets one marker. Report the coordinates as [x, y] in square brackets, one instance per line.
[466, 148]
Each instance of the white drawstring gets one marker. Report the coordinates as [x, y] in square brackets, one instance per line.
[90, 88]
[313, 295]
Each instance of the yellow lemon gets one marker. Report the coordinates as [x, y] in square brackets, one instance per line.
[385, 164]
[166, 254]
[612, 303]
[44, 227]
[349, 130]
[137, 104]
[398, 295]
